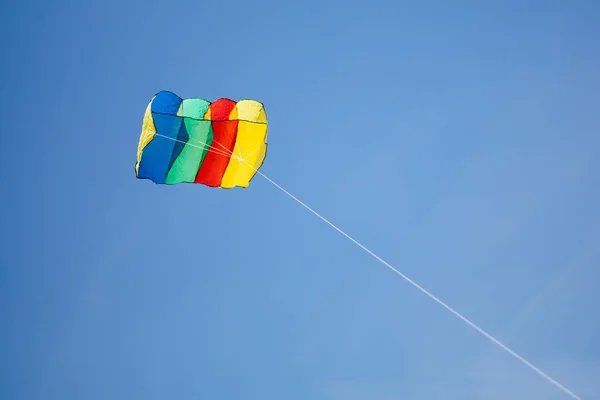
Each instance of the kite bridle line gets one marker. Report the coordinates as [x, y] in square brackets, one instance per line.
[226, 152]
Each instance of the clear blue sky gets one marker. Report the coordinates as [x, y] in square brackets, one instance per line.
[458, 141]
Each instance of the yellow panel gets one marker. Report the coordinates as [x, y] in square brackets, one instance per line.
[148, 133]
[251, 110]
[250, 145]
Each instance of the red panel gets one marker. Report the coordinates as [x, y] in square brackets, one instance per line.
[221, 109]
[225, 132]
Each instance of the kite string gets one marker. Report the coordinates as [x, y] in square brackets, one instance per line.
[406, 278]
[205, 146]
[426, 292]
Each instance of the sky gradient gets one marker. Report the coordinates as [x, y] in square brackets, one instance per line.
[456, 140]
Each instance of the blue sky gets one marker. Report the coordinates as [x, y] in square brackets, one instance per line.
[457, 141]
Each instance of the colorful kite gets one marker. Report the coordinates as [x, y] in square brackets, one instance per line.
[219, 144]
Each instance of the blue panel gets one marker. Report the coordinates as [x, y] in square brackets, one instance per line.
[166, 103]
[182, 138]
[156, 157]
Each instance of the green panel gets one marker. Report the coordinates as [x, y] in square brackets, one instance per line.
[193, 108]
[186, 166]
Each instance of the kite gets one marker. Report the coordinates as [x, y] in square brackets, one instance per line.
[220, 144]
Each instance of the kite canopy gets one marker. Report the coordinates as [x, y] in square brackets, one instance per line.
[219, 144]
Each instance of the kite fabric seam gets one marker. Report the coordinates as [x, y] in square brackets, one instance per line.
[216, 120]
[413, 283]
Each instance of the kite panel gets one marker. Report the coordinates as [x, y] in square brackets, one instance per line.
[251, 139]
[219, 144]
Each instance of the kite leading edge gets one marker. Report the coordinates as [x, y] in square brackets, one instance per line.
[219, 144]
